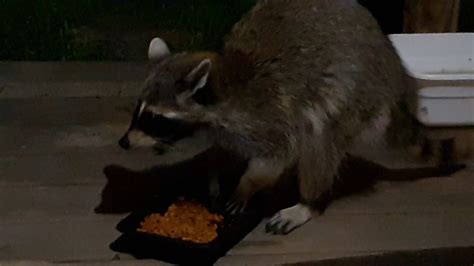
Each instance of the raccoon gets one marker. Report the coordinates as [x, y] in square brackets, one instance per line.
[295, 83]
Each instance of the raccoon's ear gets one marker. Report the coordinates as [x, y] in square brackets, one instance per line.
[158, 50]
[198, 76]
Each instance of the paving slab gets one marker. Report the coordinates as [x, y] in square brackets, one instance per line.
[70, 79]
[70, 239]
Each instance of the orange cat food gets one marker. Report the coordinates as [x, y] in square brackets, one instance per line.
[185, 220]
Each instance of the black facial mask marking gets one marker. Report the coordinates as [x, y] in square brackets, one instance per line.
[167, 130]
[159, 127]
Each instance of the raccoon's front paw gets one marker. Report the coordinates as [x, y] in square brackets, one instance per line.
[238, 202]
[289, 219]
[235, 205]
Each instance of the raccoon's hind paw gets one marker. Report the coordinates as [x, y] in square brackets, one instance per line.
[289, 219]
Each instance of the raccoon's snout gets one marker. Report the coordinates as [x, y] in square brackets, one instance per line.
[137, 139]
[124, 143]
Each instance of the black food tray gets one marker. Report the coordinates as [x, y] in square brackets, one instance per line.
[146, 246]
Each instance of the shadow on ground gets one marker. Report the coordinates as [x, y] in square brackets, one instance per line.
[136, 190]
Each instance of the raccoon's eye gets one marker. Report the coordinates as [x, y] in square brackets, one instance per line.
[204, 96]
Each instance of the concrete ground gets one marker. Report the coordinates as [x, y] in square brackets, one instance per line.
[55, 140]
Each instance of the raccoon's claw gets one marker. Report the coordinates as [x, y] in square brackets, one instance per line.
[235, 206]
[277, 226]
[238, 203]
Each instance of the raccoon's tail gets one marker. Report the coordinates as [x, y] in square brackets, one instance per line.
[359, 175]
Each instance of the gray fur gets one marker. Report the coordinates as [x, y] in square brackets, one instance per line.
[296, 83]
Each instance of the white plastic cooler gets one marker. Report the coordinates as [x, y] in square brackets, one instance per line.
[446, 58]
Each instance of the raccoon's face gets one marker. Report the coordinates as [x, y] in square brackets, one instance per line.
[150, 130]
[172, 90]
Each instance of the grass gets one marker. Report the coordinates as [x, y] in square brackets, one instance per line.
[61, 30]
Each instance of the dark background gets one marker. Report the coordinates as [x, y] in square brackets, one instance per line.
[121, 29]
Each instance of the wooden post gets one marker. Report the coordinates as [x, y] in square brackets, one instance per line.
[389, 14]
[431, 16]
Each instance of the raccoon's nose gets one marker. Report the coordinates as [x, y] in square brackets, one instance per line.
[124, 143]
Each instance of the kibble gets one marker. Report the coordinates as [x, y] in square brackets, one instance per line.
[185, 220]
